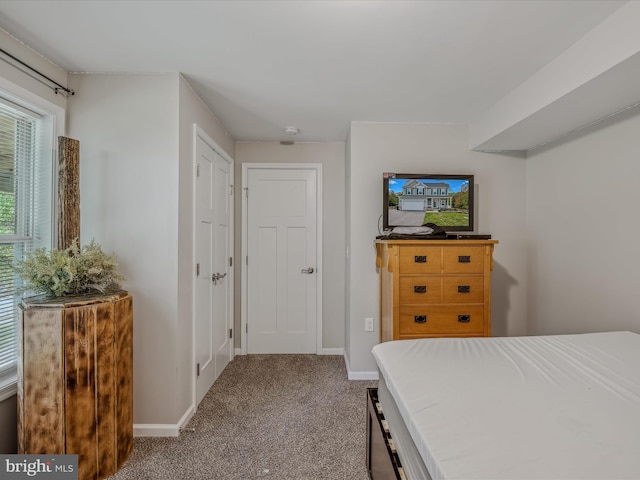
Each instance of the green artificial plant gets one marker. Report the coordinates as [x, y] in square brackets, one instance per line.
[72, 271]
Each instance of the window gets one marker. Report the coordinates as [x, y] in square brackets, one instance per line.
[25, 209]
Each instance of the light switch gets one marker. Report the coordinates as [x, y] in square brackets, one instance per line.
[368, 324]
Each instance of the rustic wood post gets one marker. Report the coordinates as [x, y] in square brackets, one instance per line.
[75, 380]
[68, 191]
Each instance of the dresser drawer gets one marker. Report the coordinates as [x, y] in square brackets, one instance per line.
[438, 320]
[420, 289]
[420, 259]
[463, 260]
[463, 289]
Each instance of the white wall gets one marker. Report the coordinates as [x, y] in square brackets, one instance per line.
[136, 173]
[430, 148]
[127, 126]
[583, 229]
[23, 85]
[347, 234]
[331, 156]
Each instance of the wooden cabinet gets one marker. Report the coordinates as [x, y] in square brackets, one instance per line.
[434, 288]
[75, 393]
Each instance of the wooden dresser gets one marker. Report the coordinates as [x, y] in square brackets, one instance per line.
[434, 288]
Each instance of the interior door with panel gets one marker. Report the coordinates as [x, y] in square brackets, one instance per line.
[282, 260]
[213, 285]
[222, 300]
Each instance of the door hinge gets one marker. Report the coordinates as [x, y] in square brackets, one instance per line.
[246, 260]
[197, 369]
[231, 333]
[231, 261]
[246, 192]
[246, 328]
[197, 170]
[231, 190]
[197, 269]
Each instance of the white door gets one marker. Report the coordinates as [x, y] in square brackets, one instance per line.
[212, 322]
[223, 343]
[282, 269]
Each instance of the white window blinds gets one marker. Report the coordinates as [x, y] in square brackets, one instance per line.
[25, 209]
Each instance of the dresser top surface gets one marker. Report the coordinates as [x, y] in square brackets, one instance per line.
[436, 242]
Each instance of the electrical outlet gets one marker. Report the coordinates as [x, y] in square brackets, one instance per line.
[368, 324]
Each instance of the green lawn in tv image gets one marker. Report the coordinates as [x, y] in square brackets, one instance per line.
[458, 218]
[417, 201]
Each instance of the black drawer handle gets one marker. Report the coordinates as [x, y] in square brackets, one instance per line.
[464, 318]
[464, 288]
[420, 318]
[420, 259]
[464, 258]
[419, 289]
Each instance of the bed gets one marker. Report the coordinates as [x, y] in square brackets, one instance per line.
[543, 407]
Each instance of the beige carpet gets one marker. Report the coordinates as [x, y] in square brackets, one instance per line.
[268, 416]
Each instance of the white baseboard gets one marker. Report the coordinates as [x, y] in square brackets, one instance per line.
[324, 351]
[331, 351]
[156, 430]
[163, 429]
[351, 375]
[363, 376]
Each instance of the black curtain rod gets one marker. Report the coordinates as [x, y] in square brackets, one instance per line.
[66, 92]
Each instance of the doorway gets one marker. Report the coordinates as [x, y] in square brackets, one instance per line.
[213, 246]
[282, 258]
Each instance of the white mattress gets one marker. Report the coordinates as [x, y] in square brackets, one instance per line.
[549, 407]
[412, 464]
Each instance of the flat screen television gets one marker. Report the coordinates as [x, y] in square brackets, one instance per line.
[414, 199]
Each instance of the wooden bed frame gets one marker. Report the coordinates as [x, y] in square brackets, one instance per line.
[382, 459]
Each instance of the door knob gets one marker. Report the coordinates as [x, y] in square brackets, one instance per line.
[217, 276]
[307, 270]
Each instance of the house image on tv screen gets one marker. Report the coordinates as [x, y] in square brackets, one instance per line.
[420, 196]
[444, 200]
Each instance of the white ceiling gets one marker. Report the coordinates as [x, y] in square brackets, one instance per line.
[316, 65]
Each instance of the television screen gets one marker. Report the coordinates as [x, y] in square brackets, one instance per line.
[413, 199]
